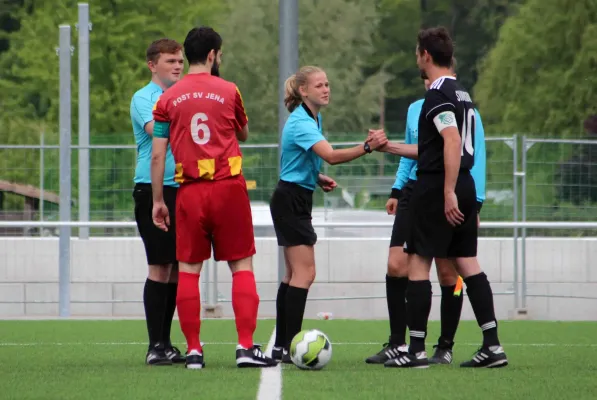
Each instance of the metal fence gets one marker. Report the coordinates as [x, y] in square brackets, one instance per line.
[549, 180]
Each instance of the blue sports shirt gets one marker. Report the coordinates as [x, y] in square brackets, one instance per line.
[142, 113]
[298, 162]
[407, 169]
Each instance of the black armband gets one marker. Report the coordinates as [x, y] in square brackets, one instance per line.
[395, 194]
[479, 205]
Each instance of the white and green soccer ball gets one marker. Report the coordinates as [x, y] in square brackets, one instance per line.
[310, 349]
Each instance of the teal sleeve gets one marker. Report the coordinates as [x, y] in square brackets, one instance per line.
[404, 168]
[406, 164]
[480, 164]
[161, 129]
[307, 134]
[141, 110]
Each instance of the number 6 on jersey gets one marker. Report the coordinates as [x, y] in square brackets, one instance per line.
[199, 129]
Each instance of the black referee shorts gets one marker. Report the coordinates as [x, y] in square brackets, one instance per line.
[290, 207]
[401, 226]
[431, 235]
[160, 246]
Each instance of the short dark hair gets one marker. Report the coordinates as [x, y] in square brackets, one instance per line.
[161, 46]
[438, 43]
[199, 42]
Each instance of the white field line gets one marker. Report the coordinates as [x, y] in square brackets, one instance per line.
[270, 383]
[25, 344]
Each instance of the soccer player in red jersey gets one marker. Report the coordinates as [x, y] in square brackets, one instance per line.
[202, 117]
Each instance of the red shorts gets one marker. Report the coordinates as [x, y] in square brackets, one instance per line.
[214, 213]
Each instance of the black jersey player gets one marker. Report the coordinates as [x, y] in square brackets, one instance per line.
[443, 205]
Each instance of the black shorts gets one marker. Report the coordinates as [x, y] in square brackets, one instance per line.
[401, 227]
[160, 246]
[291, 207]
[431, 235]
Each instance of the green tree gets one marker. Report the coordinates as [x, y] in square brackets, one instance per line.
[473, 24]
[29, 71]
[334, 34]
[394, 51]
[8, 22]
[539, 79]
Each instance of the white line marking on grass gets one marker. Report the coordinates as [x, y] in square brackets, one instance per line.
[270, 384]
[268, 349]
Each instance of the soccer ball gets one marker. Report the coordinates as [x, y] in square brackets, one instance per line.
[310, 349]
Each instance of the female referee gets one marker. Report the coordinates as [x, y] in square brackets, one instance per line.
[303, 149]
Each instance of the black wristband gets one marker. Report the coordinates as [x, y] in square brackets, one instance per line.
[395, 194]
[479, 205]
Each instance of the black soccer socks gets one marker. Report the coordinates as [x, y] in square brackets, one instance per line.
[451, 309]
[281, 315]
[296, 299]
[418, 295]
[154, 301]
[481, 298]
[396, 298]
[169, 312]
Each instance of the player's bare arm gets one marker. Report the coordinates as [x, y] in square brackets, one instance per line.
[160, 212]
[149, 128]
[391, 206]
[398, 149]
[401, 149]
[243, 134]
[326, 183]
[452, 141]
[338, 156]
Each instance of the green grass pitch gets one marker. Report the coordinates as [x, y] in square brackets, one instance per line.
[77, 359]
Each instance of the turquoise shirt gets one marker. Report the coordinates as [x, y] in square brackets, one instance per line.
[407, 169]
[142, 113]
[298, 162]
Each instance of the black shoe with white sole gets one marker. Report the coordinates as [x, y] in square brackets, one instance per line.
[156, 356]
[194, 360]
[280, 355]
[487, 357]
[442, 355]
[253, 358]
[389, 352]
[408, 360]
[174, 355]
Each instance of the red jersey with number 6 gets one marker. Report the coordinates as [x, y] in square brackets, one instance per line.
[204, 113]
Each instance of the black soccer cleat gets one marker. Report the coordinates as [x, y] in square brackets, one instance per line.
[253, 358]
[487, 357]
[280, 355]
[194, 360]
[174, 355]
[156, 356]
[408, 360]
[442, 355]
[389, 352]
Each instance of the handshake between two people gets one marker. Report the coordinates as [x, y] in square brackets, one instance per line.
[377, 139]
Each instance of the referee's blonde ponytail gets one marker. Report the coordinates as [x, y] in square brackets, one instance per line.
[292, 96]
